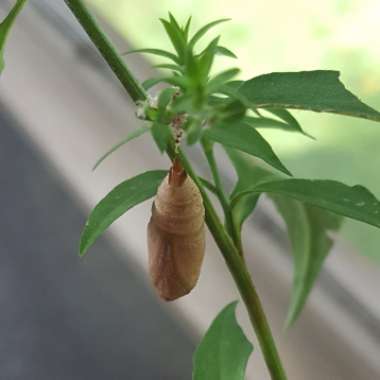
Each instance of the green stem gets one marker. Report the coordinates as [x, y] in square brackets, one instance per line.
[7, 22]
[107, 50]
[242, 279]
[231, 255]
[229, 221]
[209, 153]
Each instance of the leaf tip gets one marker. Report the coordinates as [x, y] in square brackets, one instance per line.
[83, 247]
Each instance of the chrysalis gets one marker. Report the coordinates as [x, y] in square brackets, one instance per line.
[176, 235]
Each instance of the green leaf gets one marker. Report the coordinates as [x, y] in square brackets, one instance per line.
[165, 97]
[169, 67]
[208, 185]
[131, 136]
[201, 32]
[221, 50]
[249, 174]
[224, 351]
[221, 78]
[159, 52]
[161, 134]
[355, 202]
[123, 197]
[175, 81]
[266, 122]
[5, 27]
[164, 100]
[194, 132]
[186, 28]
[290, 120]
[319, 90]
[207, 58]
[234, 85]
[242, 137]
[231, 111]
[176, 36]
[308, 229]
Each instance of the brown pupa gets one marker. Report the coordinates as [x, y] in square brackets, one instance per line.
[176, 235]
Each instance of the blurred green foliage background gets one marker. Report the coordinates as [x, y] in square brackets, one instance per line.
[272, 35]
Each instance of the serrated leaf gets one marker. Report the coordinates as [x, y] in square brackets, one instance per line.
[242, 137]
[131, 136]
[161, 134]
[308, 229]
[5, 27]
[354, 202]
[202, 31]
[319, 90]
[224, 351]
[122, 198]
[159, 52]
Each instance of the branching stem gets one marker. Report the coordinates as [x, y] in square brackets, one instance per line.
[225, 243]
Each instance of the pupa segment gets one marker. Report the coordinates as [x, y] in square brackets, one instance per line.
[176, 235]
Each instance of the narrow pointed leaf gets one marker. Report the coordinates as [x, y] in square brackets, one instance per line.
[234, 85]
[308, 229]
[207, 58]
[174, 22]
[169, 67]
[242, 137]
[319, 90]
[201, 32]
[131, 136]
[175, 81]
[221, 78]
[176, 37]
[123, 197]
[221, 50]
[5, 27]
[355, 202]
[289, 119]
[224, 351]
[208, 185]
[266, 122]
[249, 174]
[242, 209]
[186, 28]
[159, 52]
[151, 82]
